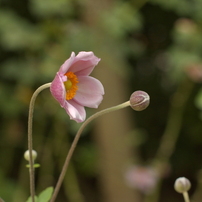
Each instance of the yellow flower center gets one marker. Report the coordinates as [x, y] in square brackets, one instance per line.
[71, 85]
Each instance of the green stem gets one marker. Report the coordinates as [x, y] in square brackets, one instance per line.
[197, 196]
[75, 141]
[71, 184]
[171, 133]
[30, 121]
[186, 196]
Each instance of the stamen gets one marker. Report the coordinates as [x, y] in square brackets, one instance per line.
[71, 85]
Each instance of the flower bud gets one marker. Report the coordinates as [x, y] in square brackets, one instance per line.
[185, 26]
[27, 156]
[139, 100]
[1, 200]
[182, 185]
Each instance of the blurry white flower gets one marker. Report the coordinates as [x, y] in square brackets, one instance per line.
[182, 185]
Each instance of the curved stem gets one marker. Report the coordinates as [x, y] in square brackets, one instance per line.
[75, 141]
[30, 121]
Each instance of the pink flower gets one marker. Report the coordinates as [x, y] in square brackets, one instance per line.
[142, 178]
[74, 89]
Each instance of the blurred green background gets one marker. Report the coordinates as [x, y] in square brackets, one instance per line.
[149, 45]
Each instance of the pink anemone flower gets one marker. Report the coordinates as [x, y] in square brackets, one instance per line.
[74, 89]
[142, 178]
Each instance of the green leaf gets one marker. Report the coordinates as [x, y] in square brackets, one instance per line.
[36, 165]
[45, 195]
[30, 199]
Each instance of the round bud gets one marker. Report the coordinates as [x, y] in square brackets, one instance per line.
[27, 156]
[182, 185]
[1, 200]
[139, 100]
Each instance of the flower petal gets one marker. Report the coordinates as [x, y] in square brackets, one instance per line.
[84, 63]
[67, 64]
[58, 90]
[90, 92]
[75, 111]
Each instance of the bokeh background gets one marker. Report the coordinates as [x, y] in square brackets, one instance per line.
[125, 156]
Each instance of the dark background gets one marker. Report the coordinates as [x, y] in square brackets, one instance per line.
[155, 46]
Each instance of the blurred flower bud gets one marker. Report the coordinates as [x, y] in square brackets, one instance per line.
[1, 200]
[27, 156]
[182, 185]
[139, 100]
[194, 72]
[185, 25]
[142, 178]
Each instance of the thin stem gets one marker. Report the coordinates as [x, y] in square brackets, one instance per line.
[174, 123]
[30, 121]
[171, 133]
[186, 196]
[197, 196]
[75, 141]
[71, 185]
